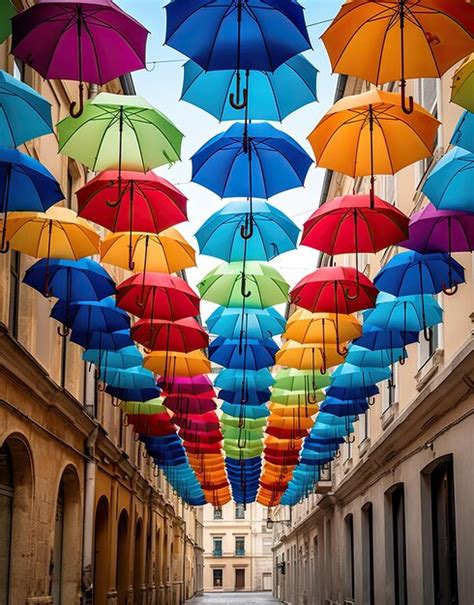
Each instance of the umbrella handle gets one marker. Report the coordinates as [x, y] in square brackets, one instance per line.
[407, 103]
[139, 302]
[101, 387]
[245, 293]
[338, 453]
[63, 331]
[342, 352]
[427, 333]
[310, 399]
[5, 245]
[351, 439]
[125, 421]
[349, 296]
[451, 291]
[371, 401]
[234, 99]
[244, 233]
[72, 112]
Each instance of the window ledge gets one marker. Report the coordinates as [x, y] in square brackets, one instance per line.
[347, 465]
[429, 369]
[388, 415]
[364, 445]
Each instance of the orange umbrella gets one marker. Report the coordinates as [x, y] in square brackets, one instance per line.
[173, 363]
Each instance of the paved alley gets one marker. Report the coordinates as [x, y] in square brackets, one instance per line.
[235, 598]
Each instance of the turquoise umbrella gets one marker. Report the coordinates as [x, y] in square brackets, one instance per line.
[256, 323]
[463, 135]
[411, 313]
[123, 359]
[350, 376]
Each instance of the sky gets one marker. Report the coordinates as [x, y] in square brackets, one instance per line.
[161, 86]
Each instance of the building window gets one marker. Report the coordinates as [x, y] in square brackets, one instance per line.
[217, 546]
[217, 578]
[427, 348]
[427, 95]
[443, 527]
[399, 545]
[348, 448]
[368, 553]
[364, 426]
[350, 575]
[389, 390]
[240, 546]
[58, 549]
[217, 513]
[239, 511]
[6, 513]
[14, 302]
[19, 69]
[90, 394]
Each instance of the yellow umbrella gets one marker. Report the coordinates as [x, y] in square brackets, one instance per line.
[369, 134]
[167, 252]
[392, 40]
[56, 233]
[173, 363]
[462, 91]
[306, 327]
[308, 357]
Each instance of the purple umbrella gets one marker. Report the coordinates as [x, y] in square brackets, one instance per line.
[433, 230]
[86, 40]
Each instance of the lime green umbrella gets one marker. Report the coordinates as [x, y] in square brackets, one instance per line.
[300, 397]
[258, 284]
[245, 435]
[248, 423]
[250, 451]
[7, 11]
[152, 406]
[121, 132]
[298, 380]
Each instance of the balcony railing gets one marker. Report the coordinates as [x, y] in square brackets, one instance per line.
[217, 552]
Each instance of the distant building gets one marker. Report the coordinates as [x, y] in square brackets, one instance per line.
[237, 548]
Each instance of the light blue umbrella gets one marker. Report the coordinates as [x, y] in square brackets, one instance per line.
[230, 379]
[132, 378]
[463, 135]
[359, 356]
[255, 323]
[272, 232]
[123, 359]
[24, 113]
[251, 411]
[413, 313]
[271, 95]
[449, 186]
[350, 376]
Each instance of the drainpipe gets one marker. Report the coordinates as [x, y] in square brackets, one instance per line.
[88, 533]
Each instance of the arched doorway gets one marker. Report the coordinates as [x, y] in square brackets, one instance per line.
[122, 558]
[101, 550]
[6, 514]
[138, 562]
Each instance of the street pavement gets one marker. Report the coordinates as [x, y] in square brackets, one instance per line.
[234, 598]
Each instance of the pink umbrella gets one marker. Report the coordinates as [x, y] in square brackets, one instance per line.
[82, 40]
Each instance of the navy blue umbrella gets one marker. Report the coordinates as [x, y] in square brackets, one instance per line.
[254, 355]
[103, 341]
[133, 394]
[378, 339]
[254, 397]
[343, 407]
[91, 316]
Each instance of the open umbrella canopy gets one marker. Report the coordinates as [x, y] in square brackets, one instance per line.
[231, 379]
[448, 186]
[130, 378]
[24, 113]
[199, 386]
[273, 233]
[252, 396]
[351, 393]
[91, 316]
[270, 95]
[122, 359]
[225, 285]
[350, 376]
[257, 323]
[308, 357]
[253, 355]
[377, 339]
[103, 341]
[260, 161]
[302, 410]
[183, 335]
[296, 398]
[463, 135]
[406, 313]
[298, 380]
[306, 327]
[151, 406]
[132, 394]
[344, 407]
[252, 412]
[463, 83]
[359, 356]
[189, 405]
[250, 423]
[175, 363]
[120, 131]
[255, 34]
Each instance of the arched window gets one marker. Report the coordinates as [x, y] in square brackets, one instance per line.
[101, 559]
[6, 512]
[122, 558]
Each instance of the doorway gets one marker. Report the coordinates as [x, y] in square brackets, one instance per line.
[239, 579]
[267, 581]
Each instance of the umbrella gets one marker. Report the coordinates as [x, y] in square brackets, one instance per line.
[258, 323]
[252, 412]
[352, 393]
[254, 396]
[352, 223]
[463, 135]
[394, 40]
[103, 341]
[349, 376]
[130, 378]
[7, 11]
[174, 363]
[343, 407]
[405, 313]
[297, 380]
[255, 354]
[273, 233]
[461, 90]
[25, 185]
[24, 113]
[359, 356]
[70, 280]
[120, 132]
[448, 186]
[293, 398]
[199, 386]
[157, 296]
[167, 252]
[256, 34]
[227, 285]
[377, 339]
[189, 405]
[281, 409]
[270, 95]
[93, 41]
[308, 357]
[256, 380]
[91, 316]
[433, 230]
[151, 406]
[369, 134]
[132, 394]
[183, 335]
[122, 359]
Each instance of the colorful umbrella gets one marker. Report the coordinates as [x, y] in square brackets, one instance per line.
[103, 341]
[377, 339]
[254, 355]
[131, 378]
[349, 376]
[362, 357]
[258, 323]
[271, 232]
[122, 359]
[448, 186]
[7, 11]
[93, 41]
[369, 134]
[132, 394]
[270, 95]
[251, 411]
[189, 405]
[254, 396]
[157, 296]
[405, 313]
[297, 380]
[182, 335]
[308, 357]
[463, 135]
[230, 379]
[174, 363]
[242, 34]
[463, 85]
[25, 185]
[343, 407]
[392, 40]
[199, 386]
[90, 316]
[306, 327]
[24, 113]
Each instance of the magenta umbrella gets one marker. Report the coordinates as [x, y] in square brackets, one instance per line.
[86, 41]
[194, 386]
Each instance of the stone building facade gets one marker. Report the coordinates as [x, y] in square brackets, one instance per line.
[84, 516]
[392, 524]
[237, 549]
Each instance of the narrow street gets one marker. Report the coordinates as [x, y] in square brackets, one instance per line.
[234, 598]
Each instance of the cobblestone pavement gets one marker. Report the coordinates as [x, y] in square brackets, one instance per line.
[234, 598]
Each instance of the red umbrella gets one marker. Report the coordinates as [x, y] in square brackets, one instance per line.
[352, 224]
[157, 296]
[198, 422]
[196, 386]
[184, 335]
[199, 448]
[189, 405]
[200, 436]
[151, 424]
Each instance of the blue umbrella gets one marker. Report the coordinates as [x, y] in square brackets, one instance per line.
[377, 339]
[242, 34]
[270, 95]
[413, 313]
[131, 378]
[346, 393]
[415, 273]
[25, 185]
[359, 356]
[251, 411]
[133, 394]
[254, 379]
[254, 355]
[258, 323]
[350, 376]
[273, 233]
[463, 135]
[91, 316]
[24, 113]
[103, 341]
[70, 280]
[449, 185]
[122, 359]
[341, 407]
[253, 396]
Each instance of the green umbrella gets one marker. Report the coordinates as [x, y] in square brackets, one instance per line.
[246, 436]
[7, 11]
[248, 423]
[120, 132]
[250, 451]
[261, 287]
[152, 406]
[298, 380]
[300, 397]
